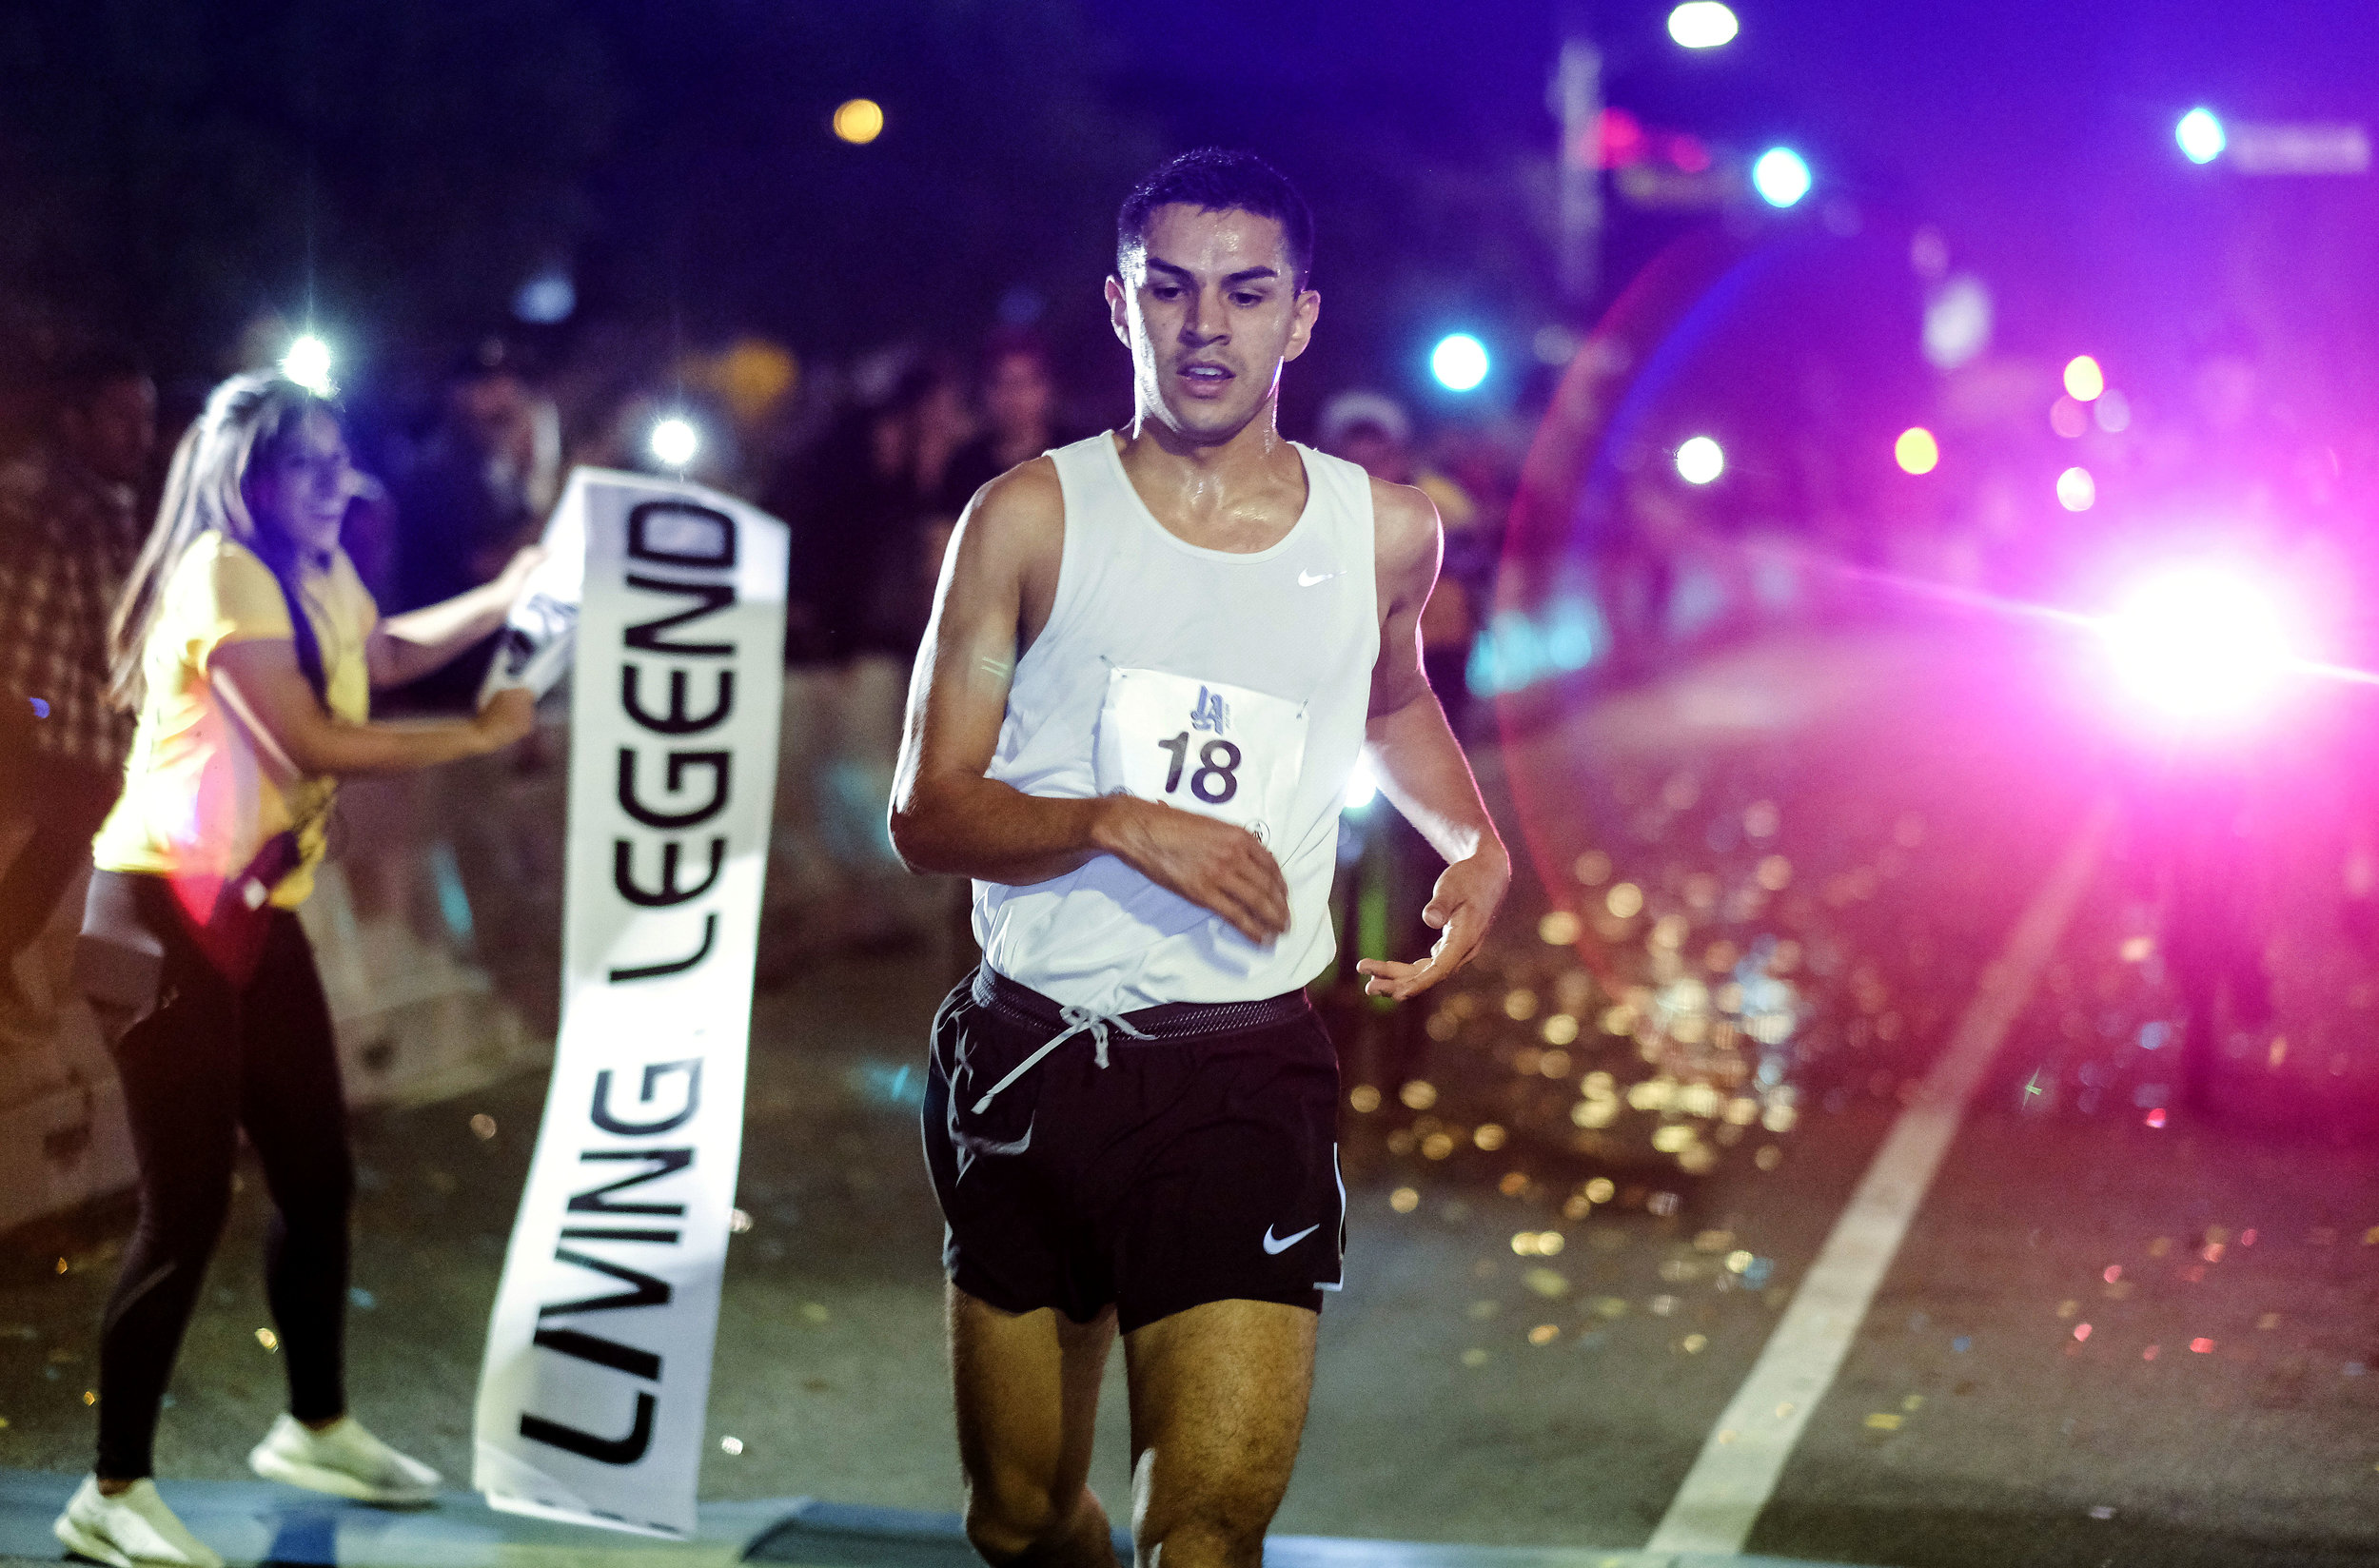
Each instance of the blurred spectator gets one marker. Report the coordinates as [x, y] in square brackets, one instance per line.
[1375, 433]
[475, 491]
[1020, 408]
[864, 565]
[70, 528]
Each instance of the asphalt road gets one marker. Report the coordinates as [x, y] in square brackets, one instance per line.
[1758, 894]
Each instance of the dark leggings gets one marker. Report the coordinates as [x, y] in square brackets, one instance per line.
[214, 1058]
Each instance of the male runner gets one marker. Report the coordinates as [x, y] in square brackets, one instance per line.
[1154, 659]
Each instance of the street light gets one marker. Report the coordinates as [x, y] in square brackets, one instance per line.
[1703, 24]
[2201, 135]
[675, 441]
[307, 362]
[1459, 362]
[1699, 459]
[1781, 176]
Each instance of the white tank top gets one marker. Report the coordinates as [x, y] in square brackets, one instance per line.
[1232, 685]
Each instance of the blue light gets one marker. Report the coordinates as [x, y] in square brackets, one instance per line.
[1781, 176]
[1459, 362]
[2201, 136]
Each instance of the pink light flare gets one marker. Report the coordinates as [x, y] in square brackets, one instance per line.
[2200, 644]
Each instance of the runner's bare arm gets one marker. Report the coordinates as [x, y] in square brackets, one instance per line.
[1420, 765]
[998, 582]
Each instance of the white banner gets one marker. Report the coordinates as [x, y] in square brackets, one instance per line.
[592, 1401]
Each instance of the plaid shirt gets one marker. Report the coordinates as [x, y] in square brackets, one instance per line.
[68, 541]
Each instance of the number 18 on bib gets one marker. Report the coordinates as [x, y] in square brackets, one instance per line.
[1221, 750]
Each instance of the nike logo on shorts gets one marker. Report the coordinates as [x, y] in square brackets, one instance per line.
[1278, 1244]
[1307, 579]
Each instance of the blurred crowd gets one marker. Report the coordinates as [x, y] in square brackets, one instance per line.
[872, 460]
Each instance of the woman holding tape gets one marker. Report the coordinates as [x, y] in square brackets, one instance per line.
[249, 648]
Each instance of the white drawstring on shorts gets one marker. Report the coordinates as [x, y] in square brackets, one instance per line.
[1078, 1021]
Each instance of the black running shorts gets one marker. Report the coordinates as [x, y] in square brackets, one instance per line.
[1198, 1164]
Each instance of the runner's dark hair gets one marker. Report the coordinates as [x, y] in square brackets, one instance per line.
[1220, 180]
[246, 421]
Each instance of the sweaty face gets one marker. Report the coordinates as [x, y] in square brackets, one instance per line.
[302, 487]
[1210, 309]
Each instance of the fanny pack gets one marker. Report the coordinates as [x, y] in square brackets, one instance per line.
[120, 955]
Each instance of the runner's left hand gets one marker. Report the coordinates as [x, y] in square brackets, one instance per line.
[1464, 907]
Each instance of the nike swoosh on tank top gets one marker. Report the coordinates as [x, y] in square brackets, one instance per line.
[1232, 685]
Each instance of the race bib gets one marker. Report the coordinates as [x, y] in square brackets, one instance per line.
[1220, 751]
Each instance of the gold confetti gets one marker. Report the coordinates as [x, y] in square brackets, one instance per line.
[1738, 1261]
[1520, 1005]
[1474, 1356]
[1404, 1199]
[731, 1445]
[62, 1265]
[1560, 1029]
[1592, 868]
[1560, 928]
[1625, 900]
[1418, 1095]
[1513, 1185]
[1365, 1097]
[1555, 1064]
[1727, 1435]
[91, 1396]
[1437, 1146]
[1693, 1344]
[1491, 1137]
[814, 1311]
[483, 1126]
[1769, 1157]
[1549, 1283]
[1886, 1421]
[1785, 1410]
[1544, 1334]
[269, 1339]
[1913, 1404]
[1600, 1190]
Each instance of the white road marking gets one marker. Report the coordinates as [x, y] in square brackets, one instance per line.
[1740, 1462]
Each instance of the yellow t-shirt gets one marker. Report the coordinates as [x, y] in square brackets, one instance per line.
[202, 792]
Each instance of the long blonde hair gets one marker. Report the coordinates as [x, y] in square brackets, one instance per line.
[247, 421]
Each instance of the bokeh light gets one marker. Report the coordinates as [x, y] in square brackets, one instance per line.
[1459, 362]
[860, 121]
[1363, 785]
[675, 441]
[307, 362]
[2083, 378]
[2076, 491]
[1915, 451]
[1703, 24]
[1699, 459]
[2201, 136]
[1781, 176]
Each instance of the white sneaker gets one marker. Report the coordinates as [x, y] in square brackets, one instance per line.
[133, 1529]
[341, 1458]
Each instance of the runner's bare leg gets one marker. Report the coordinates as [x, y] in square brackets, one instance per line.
[1028, 1393]
[1218, 1404]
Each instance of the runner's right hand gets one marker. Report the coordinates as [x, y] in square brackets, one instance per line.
[508, 715]
[1215, 865]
